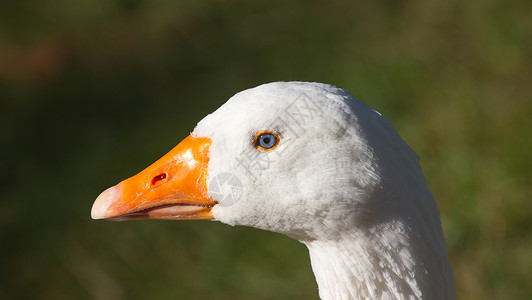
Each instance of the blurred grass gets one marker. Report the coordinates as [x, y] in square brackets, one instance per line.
[91, 92]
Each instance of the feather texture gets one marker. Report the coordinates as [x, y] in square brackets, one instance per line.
[341, 181]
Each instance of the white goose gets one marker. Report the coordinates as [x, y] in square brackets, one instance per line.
[309, 161]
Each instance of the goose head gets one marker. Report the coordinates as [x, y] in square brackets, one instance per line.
[285, 157]
[303, 159]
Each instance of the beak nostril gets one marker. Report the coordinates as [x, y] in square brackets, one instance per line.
[158, 178]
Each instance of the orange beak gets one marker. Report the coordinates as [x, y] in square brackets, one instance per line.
[172, 188]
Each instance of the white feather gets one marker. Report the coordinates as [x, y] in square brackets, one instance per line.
[341, 181]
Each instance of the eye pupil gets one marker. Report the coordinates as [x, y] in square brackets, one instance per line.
[266, 140]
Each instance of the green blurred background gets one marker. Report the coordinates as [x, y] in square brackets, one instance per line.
[93, 91]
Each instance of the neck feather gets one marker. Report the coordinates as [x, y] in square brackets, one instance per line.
[385, 266]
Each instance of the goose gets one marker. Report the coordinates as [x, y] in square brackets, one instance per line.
[310, 161]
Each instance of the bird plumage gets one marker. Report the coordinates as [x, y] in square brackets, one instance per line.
[340, 180]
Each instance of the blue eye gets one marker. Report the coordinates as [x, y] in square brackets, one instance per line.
[266, 140]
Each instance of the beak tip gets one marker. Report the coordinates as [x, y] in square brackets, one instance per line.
[100, 208]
